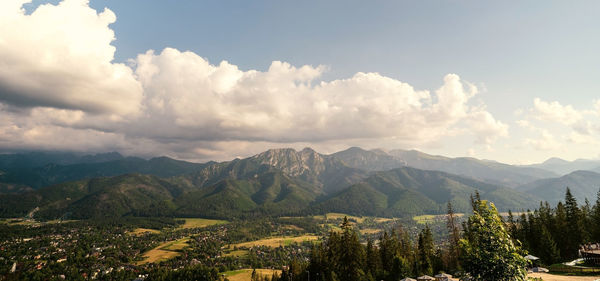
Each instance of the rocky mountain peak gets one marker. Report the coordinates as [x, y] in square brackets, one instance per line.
[292, 162]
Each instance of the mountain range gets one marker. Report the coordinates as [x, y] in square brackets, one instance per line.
[563, 167]
[488, 171]
[275, 182]
[583, 184]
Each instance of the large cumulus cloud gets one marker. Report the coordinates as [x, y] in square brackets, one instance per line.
[60, 89]
[60, 56]
[287, 104]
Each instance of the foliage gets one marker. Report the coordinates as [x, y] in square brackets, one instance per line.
[556, 234]
[488, 252]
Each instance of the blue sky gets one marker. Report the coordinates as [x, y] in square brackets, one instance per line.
[531, 48]
[512, 51]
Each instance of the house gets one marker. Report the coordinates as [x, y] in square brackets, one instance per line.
[408, 279]
[425, 278]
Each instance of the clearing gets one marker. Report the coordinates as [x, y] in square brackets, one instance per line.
[246, 274]
[339, 216]
[423, 219]
[199, 222]
[164, 251]
[370, 231]
[277, 241]
[236, 253]
[141, 231]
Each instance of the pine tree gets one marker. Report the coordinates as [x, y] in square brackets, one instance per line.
[574, 226]
[406, 250]
[400, 268]
[373, 259]
[548, 251]
[512, 225]
[425, 251]
[561, 232]
[386, 250]
[595, 219]
[523, 231]
[488, 253]
[352, 255]
[453, 238]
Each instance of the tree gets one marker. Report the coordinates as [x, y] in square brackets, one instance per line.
[425, 251]
[488, 252]
[574, 226]
[547, 247]
[373, 259]
[595, 218]
[454, 237]
[560, 233]
[254, 277]
[352, 254]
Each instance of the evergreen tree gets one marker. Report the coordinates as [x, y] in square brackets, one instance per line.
[454, 237]
[352, 256]
[373, 259]
[406, 250]
[400, 268]
[561, 232]
[387, 250]
[512, 225]
[574, 226]
[548, 251]
[425, 252]
[595, 220]
[488, 253]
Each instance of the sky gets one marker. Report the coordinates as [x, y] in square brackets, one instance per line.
[512, 81]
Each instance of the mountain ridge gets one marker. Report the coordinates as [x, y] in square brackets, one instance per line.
[582, 183]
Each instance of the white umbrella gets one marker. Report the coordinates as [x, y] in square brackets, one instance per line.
[531, 258]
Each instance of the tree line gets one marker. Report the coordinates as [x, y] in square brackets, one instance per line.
[556, 234]
[480, 248]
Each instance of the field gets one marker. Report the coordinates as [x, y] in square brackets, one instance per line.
[246, 274]
[199, 223]
[277, 241]
[176, 245]
[425, 219]
[142, 231]
[382, 220]
[339, 216]
[370, 231]
[164, 251]
[237, 253]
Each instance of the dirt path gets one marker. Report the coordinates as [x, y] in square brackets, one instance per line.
[550, 277]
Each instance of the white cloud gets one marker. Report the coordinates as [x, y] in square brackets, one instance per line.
[218, 102]
[546, 141]
[578, 138]
[555, 112]
[60, 56]
[524, 124]
[486, 127]
[61, 90]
